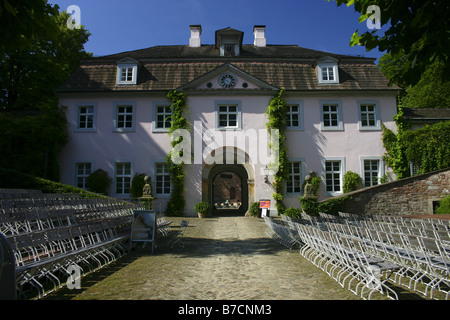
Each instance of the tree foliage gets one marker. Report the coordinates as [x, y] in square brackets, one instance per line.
[31, 141]
[430, 92]
[22, 22]
[28, 78]
[417, 34]
[38, 53]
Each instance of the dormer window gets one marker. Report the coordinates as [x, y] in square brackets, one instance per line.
[127, 71]
[229, 42]
[327, 70]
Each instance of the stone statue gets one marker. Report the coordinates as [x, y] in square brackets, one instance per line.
[147, 190]
[309, 189]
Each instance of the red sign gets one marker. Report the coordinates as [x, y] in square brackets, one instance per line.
[264, 204]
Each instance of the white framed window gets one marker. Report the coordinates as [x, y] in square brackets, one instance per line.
[162, 179]
[228, 115]
[371, 172]
[414, 169]
[124, 116]
[294, 182]
[126, 73]
[123, 176]
[294, 115]
[331, 116]
[328, 73]
[369, 115]
[372, 169]
[86, 117]
[334, 169]
[82, 171]
[162, 116]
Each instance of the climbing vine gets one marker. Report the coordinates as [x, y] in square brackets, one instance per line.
[175, 206]
[276, 112]
[428, 147]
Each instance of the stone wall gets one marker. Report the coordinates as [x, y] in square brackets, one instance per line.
[411, 196]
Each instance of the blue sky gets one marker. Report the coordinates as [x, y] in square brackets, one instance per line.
[119, 25]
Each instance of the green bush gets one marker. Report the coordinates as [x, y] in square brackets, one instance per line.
[254, 209]
[202, 207]
[137, 184]
[309, 206]
[352, 181]
[10, 179]
[332, 206]
[444, 206]
[98, 181]
[293, 212]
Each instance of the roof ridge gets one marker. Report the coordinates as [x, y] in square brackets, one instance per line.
[288, 51]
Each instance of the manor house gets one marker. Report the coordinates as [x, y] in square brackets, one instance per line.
[119, 117]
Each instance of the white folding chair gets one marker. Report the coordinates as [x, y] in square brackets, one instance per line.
[177, 236]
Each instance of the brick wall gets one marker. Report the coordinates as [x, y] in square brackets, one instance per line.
[410, 196]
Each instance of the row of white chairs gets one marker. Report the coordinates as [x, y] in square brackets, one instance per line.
[282, 232]
[436, 230]
[342, 259]
[6, 193]
[425, 262]
[422, 263]
[52, 236]
[16, 218]
[46, 259]
[345, 260]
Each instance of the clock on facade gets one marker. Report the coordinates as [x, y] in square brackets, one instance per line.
[227, 81]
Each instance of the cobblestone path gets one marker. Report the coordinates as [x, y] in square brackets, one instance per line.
[224, 258]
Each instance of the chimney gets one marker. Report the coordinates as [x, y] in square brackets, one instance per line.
[260, 38]
[196, 31]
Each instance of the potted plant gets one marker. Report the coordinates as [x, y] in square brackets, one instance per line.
[202, 209]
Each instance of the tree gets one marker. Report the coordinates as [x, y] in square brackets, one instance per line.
[392, 68]
[418, 34]
[22, 21]
[29, 77]
[430, 91]
[34, 61]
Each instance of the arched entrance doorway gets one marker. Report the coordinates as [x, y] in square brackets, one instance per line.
[239, 174]
[228, 189]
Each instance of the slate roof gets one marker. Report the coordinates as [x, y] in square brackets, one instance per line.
[163, 68]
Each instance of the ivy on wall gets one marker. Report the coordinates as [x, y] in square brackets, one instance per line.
[276, 113]
[175, 206]
[428, 147]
